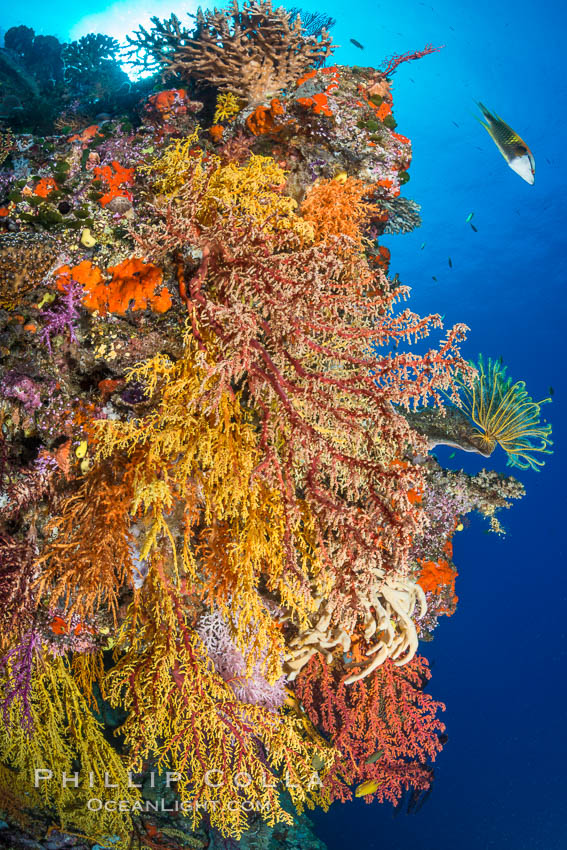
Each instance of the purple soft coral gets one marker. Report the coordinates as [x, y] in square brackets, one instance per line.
[17, 663]
[231, 665]
[21, 387]
[62, 316]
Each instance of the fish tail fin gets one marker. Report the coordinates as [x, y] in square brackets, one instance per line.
[484, 115]
[486, 112]
[480, 121]
[491, 117]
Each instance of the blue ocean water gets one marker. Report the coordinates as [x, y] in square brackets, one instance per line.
[499, 663]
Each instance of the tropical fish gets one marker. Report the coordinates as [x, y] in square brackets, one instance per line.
[422, 245]
[455, 123]
[474, 228]
[469, 217]
[374, 757]
[357, 43]
[434, 278]
[551, 391]
[368, 787]
[452, 455]
[450, 263]
[514, 150]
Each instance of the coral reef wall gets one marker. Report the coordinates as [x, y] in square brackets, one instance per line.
[222, 536]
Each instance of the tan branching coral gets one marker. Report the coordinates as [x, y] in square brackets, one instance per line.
[25, 259]
[389, 631]
[252, 52]
[6, 145]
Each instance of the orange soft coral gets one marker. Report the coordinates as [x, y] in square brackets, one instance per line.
[216, 132]
[115, 176]
[437, 574]
[87, 135]
[133, 286]
[319, 102]
[383, 110]
[45, 186]
[263, 119]
[337, 208]
[167, 104]
[84, 273]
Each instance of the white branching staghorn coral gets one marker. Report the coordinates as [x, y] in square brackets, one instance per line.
[389, 630]
[253, 52]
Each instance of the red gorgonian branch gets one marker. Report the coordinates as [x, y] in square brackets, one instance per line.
[391, 63]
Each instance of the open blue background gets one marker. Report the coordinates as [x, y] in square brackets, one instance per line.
[500, 662]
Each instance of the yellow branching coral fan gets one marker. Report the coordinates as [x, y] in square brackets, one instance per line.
[506, 415]
[227, 755]
[192, 479]
[68, 740]
[228, 106]
[250, 191]
[253, 190]
[175, 164]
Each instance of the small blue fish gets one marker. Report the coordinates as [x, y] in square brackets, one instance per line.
[422, 245]
[434, 278]
[469, 217]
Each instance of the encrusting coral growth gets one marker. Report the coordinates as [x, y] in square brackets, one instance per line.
[222, 534]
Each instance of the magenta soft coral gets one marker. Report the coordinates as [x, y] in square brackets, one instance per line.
[16, 666]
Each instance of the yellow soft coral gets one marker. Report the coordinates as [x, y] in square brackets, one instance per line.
[227, 755]
[228, 106]
[65, 734]
[182, 448]
[175, 163]
[253, 190]
[250, 191]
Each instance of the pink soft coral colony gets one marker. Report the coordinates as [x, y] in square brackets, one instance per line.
[223, 535]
